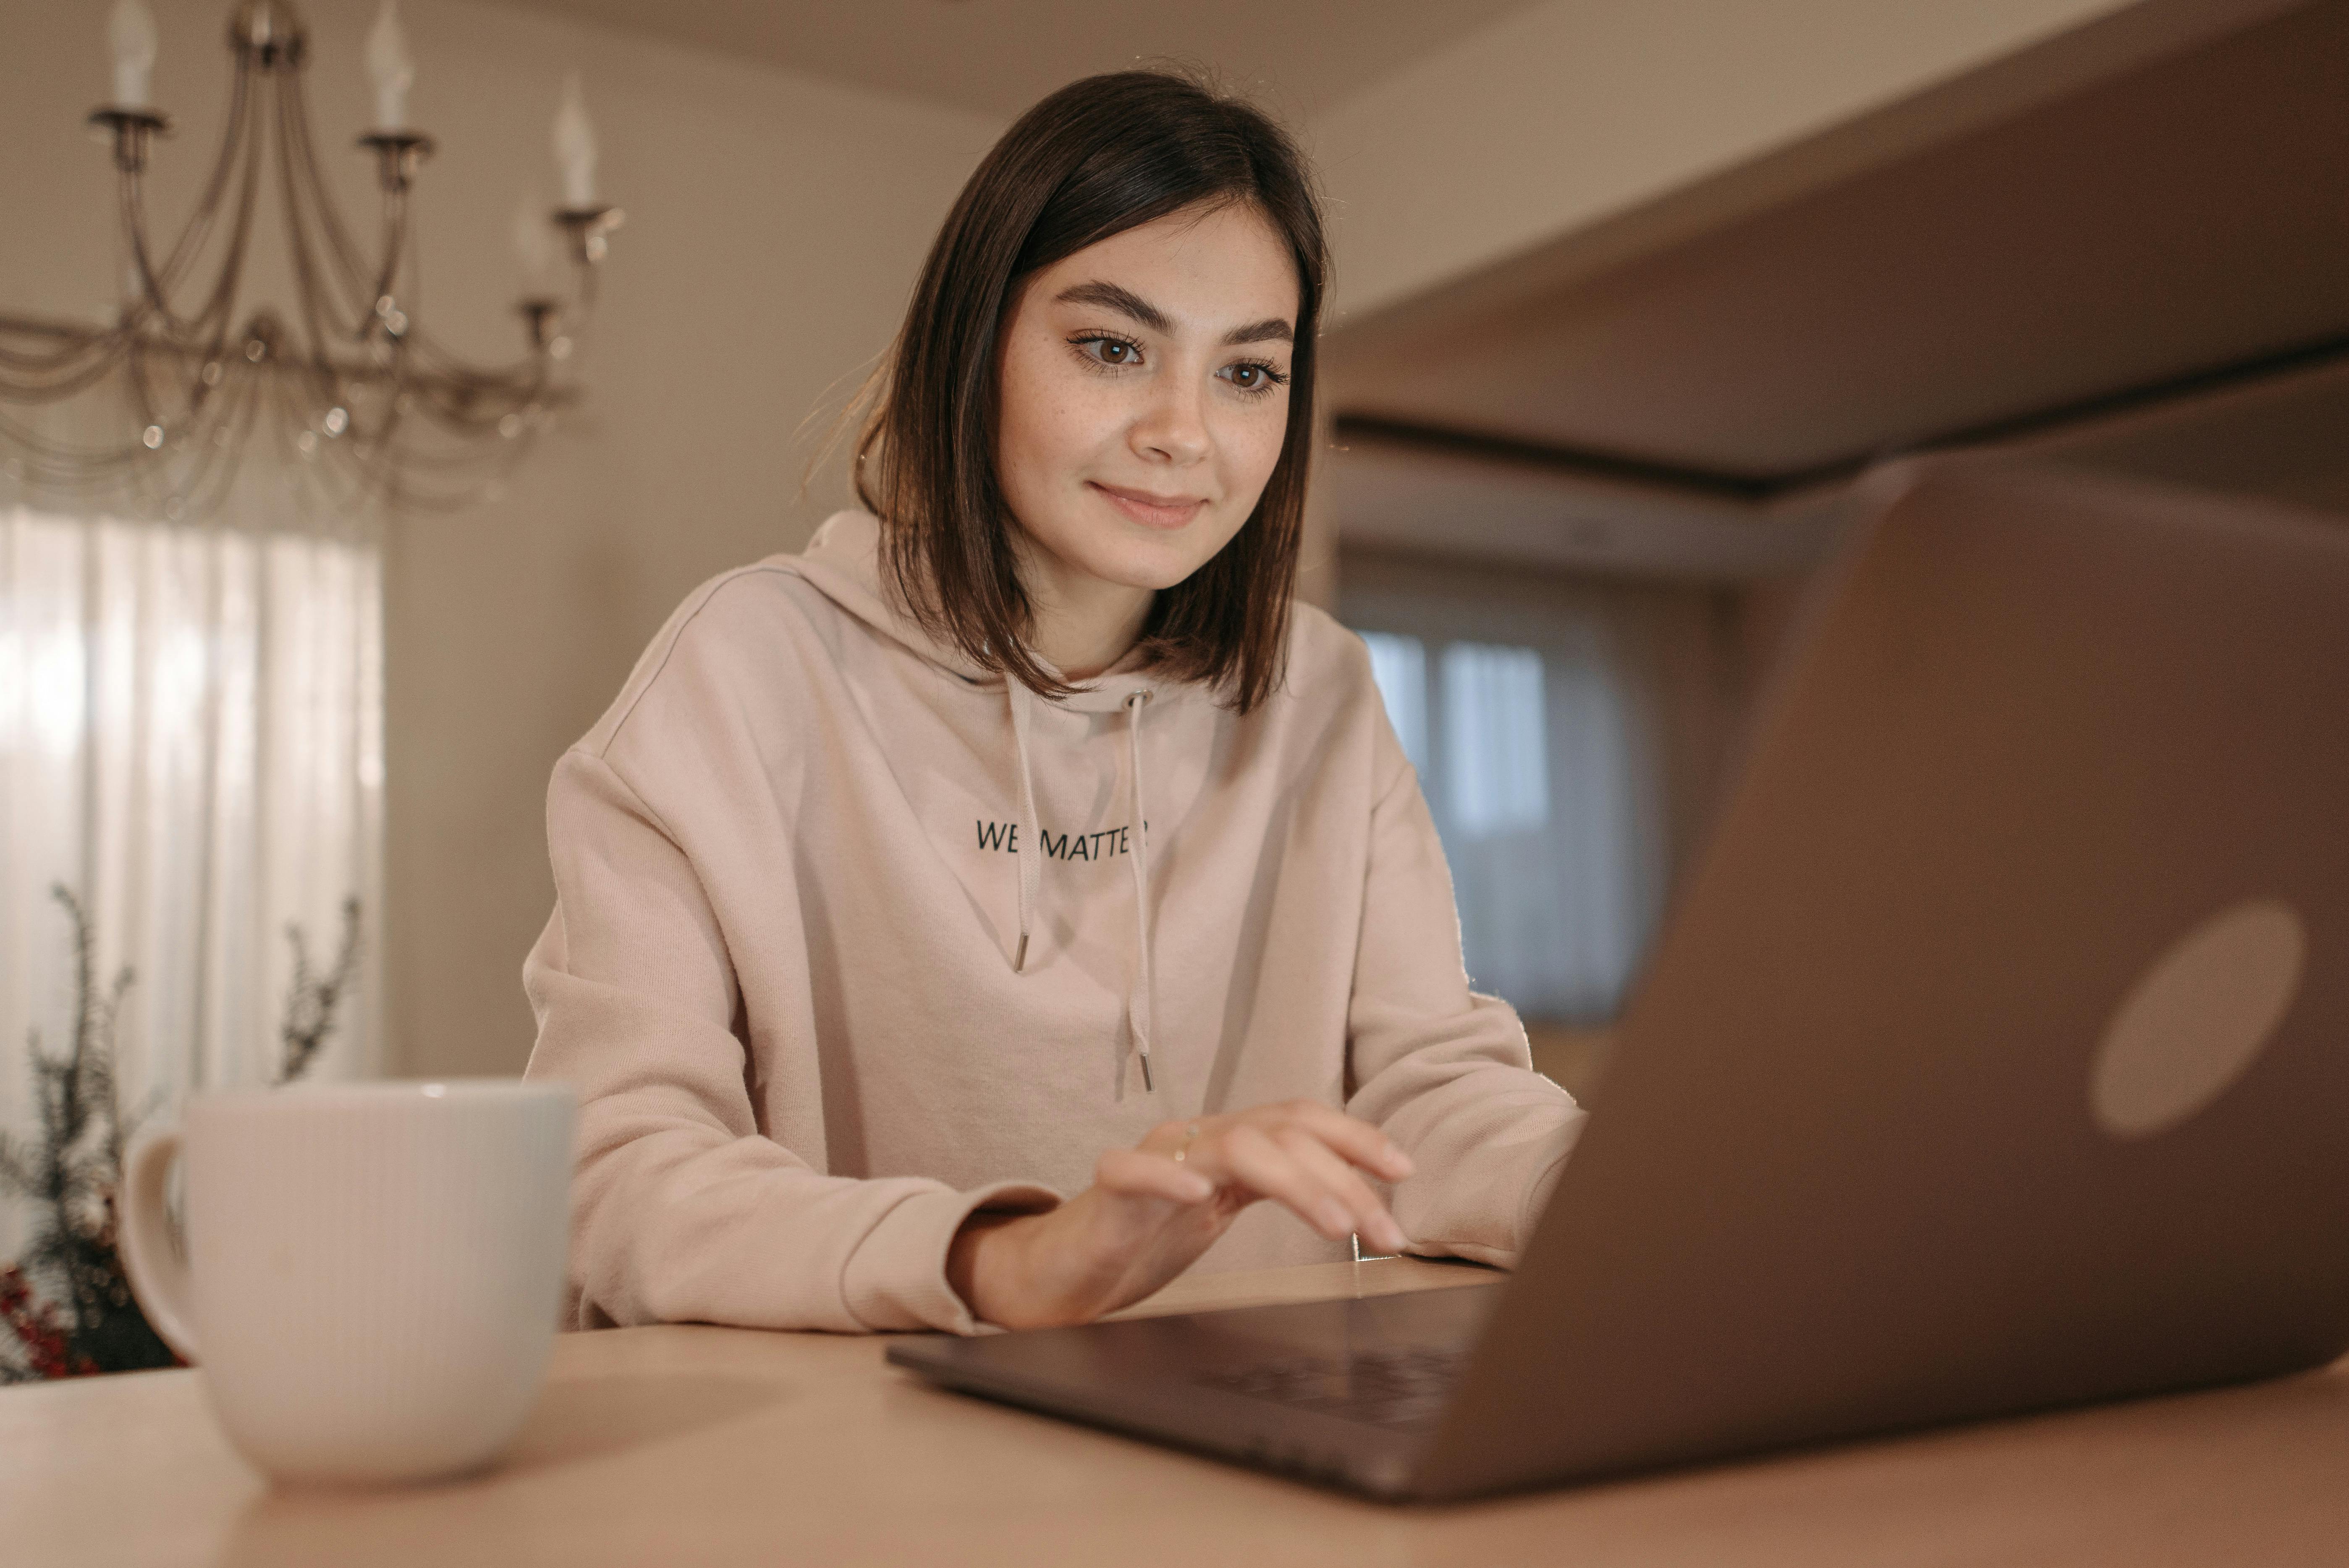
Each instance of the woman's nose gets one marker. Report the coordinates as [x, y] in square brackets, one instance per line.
[1173, 428]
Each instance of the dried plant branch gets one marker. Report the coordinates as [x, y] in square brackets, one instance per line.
[311, 1002]
[65, 1305]
[86, 1320]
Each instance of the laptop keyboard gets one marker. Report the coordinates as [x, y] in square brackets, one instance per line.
[1405, 1386]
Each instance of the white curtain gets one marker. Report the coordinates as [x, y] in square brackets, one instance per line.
[1495, 740]
[192, 742]
[1564, 733]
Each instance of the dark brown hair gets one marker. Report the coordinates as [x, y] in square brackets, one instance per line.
[1097, 158]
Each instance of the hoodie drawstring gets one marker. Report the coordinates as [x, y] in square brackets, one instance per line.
[1137, 1006]
[1031, 857]
[1033, 853]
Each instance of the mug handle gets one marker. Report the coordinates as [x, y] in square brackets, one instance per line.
[150, 1253]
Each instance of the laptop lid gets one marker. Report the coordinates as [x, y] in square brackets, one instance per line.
[1996, 1056]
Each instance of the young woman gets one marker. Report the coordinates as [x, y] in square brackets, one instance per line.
[986, 915]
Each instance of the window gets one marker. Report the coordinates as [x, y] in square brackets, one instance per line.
[192, 746]
[1563, 732]
[1496, 746]
[1400, 666]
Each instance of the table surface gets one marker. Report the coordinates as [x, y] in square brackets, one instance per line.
[717, 1446]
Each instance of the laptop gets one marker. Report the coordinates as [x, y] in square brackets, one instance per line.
[1995, 1056]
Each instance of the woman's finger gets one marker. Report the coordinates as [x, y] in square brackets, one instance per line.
[1263, 1166]
[1354, 1138]
[1370, 1216]
[1135, 1174]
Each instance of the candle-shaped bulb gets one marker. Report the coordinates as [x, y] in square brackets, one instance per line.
[130, 32]
[575, 147]
[390, 68]
[535, 247]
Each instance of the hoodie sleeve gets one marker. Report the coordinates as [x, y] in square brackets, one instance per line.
[1445, 1070]
[682, 1211]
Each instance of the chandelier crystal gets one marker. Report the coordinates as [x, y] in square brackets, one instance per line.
[344, 382]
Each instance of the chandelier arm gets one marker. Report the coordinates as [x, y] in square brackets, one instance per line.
[37, 468]
[532, 376]
[436, 364]
[364, 467]
[194, 390]
[308, 288]
[520, 386]
[325, 392]
[178, 473]
[308, 450]
[302, 159]
[219, 310]
[416, 484]
[35, 368]
[71, 458]
[217, 430]
[40, 446]
[53, 387]
[73, 368]
[154, 285]
[77, 352]
[200, 435]
[441, 405]
[526, 376]
[142, 398]
[458, 404]
[149, 305]
[376, 436]
[251, 179]
[130, 356]
[396, 234]
[197, 230]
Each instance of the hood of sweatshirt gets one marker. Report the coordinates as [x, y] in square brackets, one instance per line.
[843, 562]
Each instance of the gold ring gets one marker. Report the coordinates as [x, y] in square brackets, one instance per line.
[1184, 1147]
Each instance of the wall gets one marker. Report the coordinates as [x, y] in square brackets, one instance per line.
[775, 224]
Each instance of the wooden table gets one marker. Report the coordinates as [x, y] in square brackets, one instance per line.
[710, 1446]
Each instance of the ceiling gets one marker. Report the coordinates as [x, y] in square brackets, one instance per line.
[2186, 217]
[1403, 497]
[997, 57]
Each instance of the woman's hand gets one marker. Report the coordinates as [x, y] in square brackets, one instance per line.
[1154, 1208]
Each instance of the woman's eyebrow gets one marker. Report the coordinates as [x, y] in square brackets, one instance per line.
[1110, 296]
[1126, 303]
[1271, 329]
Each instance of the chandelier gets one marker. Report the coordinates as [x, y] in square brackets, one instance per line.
[344, 383]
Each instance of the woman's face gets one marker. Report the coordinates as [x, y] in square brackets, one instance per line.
[1144, 397]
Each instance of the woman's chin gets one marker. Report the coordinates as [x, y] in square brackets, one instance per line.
[1150, 569]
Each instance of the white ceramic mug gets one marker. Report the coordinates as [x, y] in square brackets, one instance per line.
[372, 1272]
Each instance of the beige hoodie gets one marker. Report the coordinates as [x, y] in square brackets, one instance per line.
[795, 867]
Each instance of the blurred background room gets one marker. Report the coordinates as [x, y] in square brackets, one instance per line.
[1627, 295]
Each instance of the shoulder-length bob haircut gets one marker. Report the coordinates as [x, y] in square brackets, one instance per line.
[1097, 158]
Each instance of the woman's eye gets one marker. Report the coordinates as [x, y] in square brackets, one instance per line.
[1110, 350]
[1253, 376]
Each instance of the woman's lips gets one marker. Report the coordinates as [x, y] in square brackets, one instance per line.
[1139, 506]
